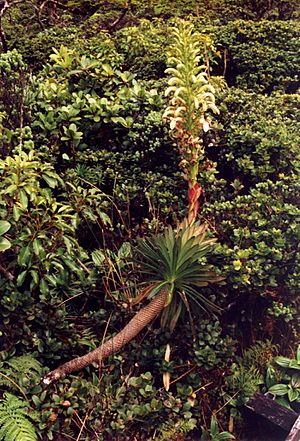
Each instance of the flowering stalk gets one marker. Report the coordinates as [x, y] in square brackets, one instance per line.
[191, 96]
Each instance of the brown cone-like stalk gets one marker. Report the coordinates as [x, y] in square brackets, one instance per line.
[113, 345]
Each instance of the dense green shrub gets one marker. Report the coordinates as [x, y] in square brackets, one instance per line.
[265, 234]
[43, 267]
[259, 137]
[258, 55]
[141, 47]
[106, 127]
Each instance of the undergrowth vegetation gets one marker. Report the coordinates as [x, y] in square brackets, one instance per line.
[146, 160]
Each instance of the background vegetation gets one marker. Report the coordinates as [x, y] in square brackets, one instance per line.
[87, 166]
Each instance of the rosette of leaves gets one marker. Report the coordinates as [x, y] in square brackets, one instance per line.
[176, 261]
[175, 266]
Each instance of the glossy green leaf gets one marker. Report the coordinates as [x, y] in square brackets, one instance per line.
[21, 278]
[293, 394]
[35, 277]
[294, 365]
[282, 361]
[279, 389]
[4, 227]
[24, 256]
[44, 288]
[23, 199]
[4, 244]
[283, 402]
[50, 181]
[224, 436]
[17, 212]
[37, 247]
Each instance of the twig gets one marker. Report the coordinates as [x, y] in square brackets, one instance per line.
[6, 273]
[68, 436]
[112, 26]
[225, 62]
[203, 387]
[22, 111]
[103, 338]
[82, 427]
[183, 375]
[16, 385]
[227, 402]
[83, 266]
[69, 299]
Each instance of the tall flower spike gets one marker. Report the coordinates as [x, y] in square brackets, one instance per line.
[190, 97]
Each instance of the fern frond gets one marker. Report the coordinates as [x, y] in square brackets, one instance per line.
[20, 371]
[259, 355]
[25, 364]
[14, 422]
[169, 431]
